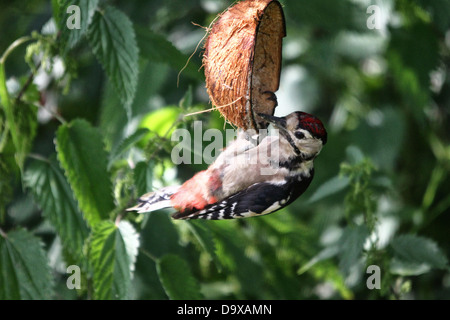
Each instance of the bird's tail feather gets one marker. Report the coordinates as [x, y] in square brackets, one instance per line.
[156, 200]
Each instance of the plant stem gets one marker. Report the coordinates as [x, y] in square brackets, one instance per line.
[13, 46]
[27, 84]
[148, 254]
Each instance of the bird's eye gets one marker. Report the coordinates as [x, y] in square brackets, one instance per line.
[299, 135]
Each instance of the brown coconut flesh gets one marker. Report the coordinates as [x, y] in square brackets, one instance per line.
[242, 61]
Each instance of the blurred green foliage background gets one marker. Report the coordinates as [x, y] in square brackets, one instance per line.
[378, 77]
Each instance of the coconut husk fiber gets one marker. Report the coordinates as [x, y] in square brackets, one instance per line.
[242, 61]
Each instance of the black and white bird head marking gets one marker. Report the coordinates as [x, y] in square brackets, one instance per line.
[304, 132]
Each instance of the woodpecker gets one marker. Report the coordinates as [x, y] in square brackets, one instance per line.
[255, 175]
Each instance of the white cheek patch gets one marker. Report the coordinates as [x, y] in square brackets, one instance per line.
[291, 122]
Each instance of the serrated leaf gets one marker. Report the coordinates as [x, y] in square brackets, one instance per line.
[112, 253]
[404, 268]
[101, 257]
[126, 145]
[417, 253]
[9, 283]
[112, 39]
[131, 241]
[205, 237]
[87, 8]
[177, 279]
[51, 190]
[24, 270]
[81, 154]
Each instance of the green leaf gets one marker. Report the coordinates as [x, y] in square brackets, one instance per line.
[159, 235]
[112, 39]
[50, 188]
[187, 100]
[25, 116]
[112, 253]
[325, 254]
[21, 120]
[404, 268]
[351, 245]
[231, 247]
[120, 150]
[157, 48]
[143, 177]
[56, 10]
[416, 255]
[329, 187]
[81, 153]
[131, 242]
[4, 95]
[177, 279]
[205, 237]
[24, 270]
[6, 185]
[71, 37]
[161, 122]
[127, 245]
[102, 256]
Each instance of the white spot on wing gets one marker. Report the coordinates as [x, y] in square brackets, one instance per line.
[272, 208]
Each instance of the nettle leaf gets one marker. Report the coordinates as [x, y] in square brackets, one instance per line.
[24, 270]
[52, 191]
[112, 39]
[177, 279]
[81, 154]
[71, 34]
[415, 255]
[112, 253]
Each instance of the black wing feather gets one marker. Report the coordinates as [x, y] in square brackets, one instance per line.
[258, 199]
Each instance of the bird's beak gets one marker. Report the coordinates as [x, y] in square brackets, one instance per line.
[278, 123]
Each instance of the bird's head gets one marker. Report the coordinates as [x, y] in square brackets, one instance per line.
[304, 132]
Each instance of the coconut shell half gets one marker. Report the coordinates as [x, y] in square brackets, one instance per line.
[242, 61]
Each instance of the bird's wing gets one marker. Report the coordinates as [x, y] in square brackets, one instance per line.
[258, 199]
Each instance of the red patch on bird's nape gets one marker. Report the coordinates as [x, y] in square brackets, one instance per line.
[312, 124]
